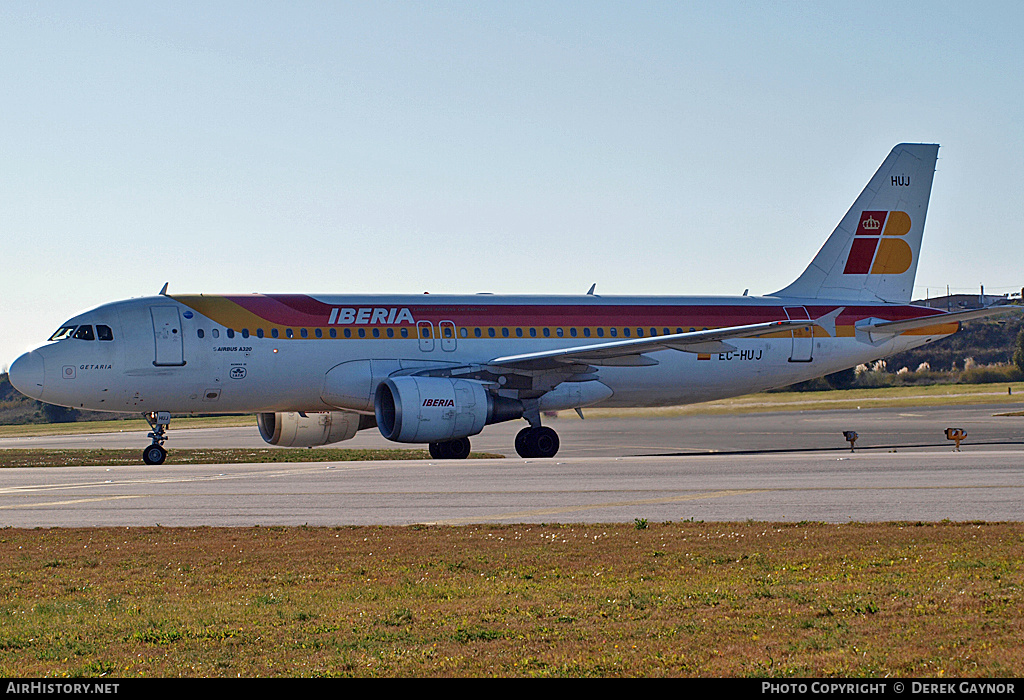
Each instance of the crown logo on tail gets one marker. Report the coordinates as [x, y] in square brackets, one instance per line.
[879, 251]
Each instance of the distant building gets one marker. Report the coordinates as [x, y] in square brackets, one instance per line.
[961, 302]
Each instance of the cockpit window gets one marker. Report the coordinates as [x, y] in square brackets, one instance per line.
[104, 332]
[84, 333]
[63, 332]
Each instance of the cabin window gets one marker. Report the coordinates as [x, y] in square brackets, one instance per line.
[519, 332]
[572, 332]
[613, 332]
[405, 332]
[533, 332]
[600, 332]
[304, 333]
[259, 332]
[245, 332]
[348, 332]
[547, 332]
[334, 332]
[391, 332]
[273, 333]
[625, 332]
[490, 332]
[200, 333]
[558, 332]
[586, 332]
[319, 332]
[477, 333]
[231, 332]
[504, 332]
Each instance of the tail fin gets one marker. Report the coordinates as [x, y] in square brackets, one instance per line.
[872, 254]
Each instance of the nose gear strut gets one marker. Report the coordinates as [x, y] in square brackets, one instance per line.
[158, 421]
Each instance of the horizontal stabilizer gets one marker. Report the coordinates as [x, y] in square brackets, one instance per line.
[897, 327]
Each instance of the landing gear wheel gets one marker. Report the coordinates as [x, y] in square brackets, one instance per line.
[154, 454]
[537, 442]
[450, 449]
[545, 442]
[158, 421]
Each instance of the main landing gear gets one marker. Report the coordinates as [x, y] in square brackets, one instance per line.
[158, 421]
[541, 441]
[450, 449]
[536, 442]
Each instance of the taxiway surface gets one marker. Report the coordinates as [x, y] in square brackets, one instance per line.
[764, 467]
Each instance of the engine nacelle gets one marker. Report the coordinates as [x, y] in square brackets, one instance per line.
[309, 429]
[438, 409]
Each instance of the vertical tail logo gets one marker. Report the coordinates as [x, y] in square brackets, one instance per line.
[877, 247]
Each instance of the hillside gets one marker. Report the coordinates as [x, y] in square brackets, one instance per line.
[988, 342]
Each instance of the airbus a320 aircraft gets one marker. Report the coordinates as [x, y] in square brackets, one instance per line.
[438, 369]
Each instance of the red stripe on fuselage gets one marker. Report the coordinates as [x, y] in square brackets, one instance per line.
[304, 311]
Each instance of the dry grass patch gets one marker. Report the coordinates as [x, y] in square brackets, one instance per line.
[672, 599]
[12, 458]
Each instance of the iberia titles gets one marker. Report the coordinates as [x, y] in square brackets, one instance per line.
[369, 315]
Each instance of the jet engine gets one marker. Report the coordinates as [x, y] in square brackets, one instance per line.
[310, 429]
[438, 409]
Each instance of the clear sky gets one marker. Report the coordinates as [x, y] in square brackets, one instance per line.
[533, 147]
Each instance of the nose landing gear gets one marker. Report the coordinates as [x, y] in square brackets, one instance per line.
[158, 421]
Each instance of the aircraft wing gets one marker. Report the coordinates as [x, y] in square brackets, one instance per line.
[630, 352]
[897, 327]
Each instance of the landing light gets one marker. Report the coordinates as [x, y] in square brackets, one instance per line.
[956, 435]
[851, 437]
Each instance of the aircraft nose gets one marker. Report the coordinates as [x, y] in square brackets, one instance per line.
[26, 374]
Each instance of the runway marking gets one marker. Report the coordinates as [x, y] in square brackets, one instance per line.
[68, 503]
[594, 506]
[182, 479]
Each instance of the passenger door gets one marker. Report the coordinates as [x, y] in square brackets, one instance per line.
[167, 336]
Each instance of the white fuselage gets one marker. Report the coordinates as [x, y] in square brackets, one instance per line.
[201, 354]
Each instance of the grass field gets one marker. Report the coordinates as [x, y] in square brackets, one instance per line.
[102, 457]
[752, 599]
[667, 599]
